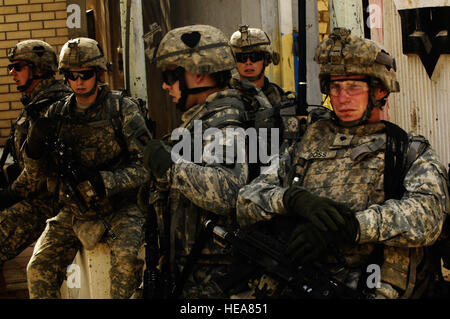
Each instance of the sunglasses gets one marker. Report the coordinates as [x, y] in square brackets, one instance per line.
[84, 75]
[253, 56]
[16, 66]
[351, 87]
[171, 76]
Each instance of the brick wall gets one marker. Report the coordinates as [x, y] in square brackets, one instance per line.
[20, 20]
[324, 19]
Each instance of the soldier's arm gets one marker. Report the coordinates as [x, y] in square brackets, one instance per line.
[132, 174]
[263, 197]
[214, 185]
[417, 218]
[32, 176]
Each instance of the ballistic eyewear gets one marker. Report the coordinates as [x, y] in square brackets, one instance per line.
[84, 75]
[351, 87]
[171, 76]
[253, 56]
[17, 66]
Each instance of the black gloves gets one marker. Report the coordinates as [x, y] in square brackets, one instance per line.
[308, 242]
[40, 130]
[94, 177]
[320, 211]
[157, 158]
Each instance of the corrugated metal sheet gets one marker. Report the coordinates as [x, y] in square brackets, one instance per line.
[422, 106]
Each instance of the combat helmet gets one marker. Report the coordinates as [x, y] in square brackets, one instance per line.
[253, 39]
[82, 53]
[38, 53]
[345, 54]
[199, 49]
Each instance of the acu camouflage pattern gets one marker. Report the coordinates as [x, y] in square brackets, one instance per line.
[252, 40]
[199, 49]
[82, 53]
[347, 165]
[201, 190]
[343, 54]
[45, 93]
[22, 223]
[273, 107]
[92, 136]
[37, 52]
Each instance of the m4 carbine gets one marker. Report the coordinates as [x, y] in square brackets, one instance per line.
[266, 254]
[80, 191]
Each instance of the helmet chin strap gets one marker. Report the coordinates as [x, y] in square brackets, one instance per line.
[91, 91]
[33, 76]
[255, 78]
[185, 92]
[23, 88]
[372, 103]
[87, 94]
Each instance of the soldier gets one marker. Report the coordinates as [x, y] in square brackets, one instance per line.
[254, 53]
[366, 191]
[196, 62]
[22, 220]
[272, 107]
[96, 170]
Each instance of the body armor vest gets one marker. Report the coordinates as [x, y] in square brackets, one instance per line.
[185, 217]
[347, 164]
[93, 136]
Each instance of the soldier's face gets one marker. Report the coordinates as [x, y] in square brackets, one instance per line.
[250, 68]
[81, 80]
[171, 85]
[349, 97]
[19, 71]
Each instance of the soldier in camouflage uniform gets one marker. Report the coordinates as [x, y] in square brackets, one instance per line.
[269, 105]
[336, 180]
[22, 220]
[254, 53]
[106, 133]
[196, 62]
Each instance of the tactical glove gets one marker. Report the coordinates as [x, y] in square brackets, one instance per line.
[94, 177]
[307, 243]
[40, 130]
[320, 211]
[157, 158]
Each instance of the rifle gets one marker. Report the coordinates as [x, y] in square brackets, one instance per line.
[158, 283]
[82, 192]
[266, 253]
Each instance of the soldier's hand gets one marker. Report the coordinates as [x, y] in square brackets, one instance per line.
[40, 129]
[157, 158]
[94, 177]
[320, 211]
[307, 243]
